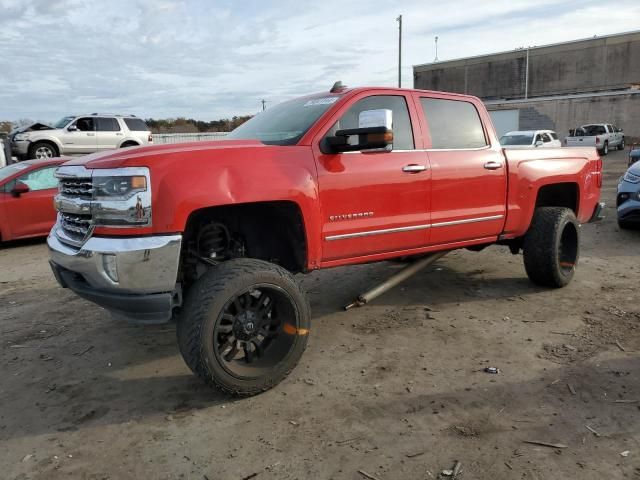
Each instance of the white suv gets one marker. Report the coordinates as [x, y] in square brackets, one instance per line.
[81, 135]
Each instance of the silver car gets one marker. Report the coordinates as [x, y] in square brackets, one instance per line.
[628, 200]
[80, 135]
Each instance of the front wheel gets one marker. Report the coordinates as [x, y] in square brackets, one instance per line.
[244, 326]
[42, 151]
[621, 146]
[552, 247]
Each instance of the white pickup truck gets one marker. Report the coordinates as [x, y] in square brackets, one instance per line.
[603, 136]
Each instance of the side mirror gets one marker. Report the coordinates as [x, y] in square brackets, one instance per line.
[374, 132]
[19, 188]
[72, 128]
[539, 143]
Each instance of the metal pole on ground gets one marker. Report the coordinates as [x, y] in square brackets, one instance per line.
[399, 277]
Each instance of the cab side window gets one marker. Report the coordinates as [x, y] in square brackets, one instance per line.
[453, 124]
[41, 179]
[546, 138]
[402, 131]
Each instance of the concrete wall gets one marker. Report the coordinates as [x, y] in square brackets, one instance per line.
[598, 64]
[562, 114]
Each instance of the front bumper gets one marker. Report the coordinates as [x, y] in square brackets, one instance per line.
[20, 148]
[134, 278]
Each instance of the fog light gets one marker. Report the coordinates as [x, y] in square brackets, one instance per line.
[110, 266]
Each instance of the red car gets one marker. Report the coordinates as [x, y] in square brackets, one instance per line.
[26, 198]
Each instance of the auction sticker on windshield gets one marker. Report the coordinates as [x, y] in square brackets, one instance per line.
[321, 101]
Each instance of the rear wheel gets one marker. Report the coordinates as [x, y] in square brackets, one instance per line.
[552, 247]
[42, 150]
[605, 149]
[129, 144]
[244, 326]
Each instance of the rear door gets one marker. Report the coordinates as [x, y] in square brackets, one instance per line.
[468, 173]
[374, 201]
[108, 133]
[32, 213]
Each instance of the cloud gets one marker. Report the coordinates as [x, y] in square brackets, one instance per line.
[212, 59]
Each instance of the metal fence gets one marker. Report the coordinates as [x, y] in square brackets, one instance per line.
[162, 138]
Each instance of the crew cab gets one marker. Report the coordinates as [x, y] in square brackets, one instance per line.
[210, 233]
[603, 136]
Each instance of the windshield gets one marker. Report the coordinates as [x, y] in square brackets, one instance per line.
[519, 139]
[6, 172]
[286, 123]
[62, 122]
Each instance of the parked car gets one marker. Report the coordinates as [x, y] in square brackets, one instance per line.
[628, 200]
[81, 135]
[211, 233]
[27, 190]
[634, 153]
[603, 136]
[530, 138]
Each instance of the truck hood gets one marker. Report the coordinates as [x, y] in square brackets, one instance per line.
[145, 156]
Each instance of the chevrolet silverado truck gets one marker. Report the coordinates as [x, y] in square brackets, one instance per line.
[210, 233]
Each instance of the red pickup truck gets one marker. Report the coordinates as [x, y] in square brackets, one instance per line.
[210, 233]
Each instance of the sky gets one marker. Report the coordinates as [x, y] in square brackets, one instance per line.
[219, 58]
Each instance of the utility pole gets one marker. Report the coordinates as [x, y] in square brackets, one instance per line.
[264, 105]
[436, 59]
[399, 20]
[526, 77]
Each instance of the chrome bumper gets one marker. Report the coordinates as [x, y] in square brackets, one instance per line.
[133, 277]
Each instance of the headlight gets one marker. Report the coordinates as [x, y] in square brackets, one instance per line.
[118, 188]
[21, 136]
[631, 178]
[121, 197]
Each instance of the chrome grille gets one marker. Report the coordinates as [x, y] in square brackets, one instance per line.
[76, 226]
[76, 187]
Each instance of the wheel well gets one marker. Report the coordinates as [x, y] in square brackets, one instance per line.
[129, 143]
[559, 195]
[48, 142]
[271, 231]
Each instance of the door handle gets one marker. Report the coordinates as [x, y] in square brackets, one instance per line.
[91, 134]
[413, 168]
[493, 165]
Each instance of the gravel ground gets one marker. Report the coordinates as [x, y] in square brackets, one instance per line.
[395, 389]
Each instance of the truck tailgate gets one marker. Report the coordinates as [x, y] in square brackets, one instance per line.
[581, 141]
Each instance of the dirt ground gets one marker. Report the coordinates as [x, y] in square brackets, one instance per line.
[395, 389]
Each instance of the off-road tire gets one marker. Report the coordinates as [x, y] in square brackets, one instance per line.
[34, 148]
[204, 306]
[552, 247]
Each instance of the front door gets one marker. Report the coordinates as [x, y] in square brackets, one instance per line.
[468, 173]
[374, 201]
[82, 139]
[32, 213]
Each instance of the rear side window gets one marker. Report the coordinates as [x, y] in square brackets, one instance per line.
[546, 138]
[554, 135]
[453, 124]
[136, 125]
[402, 132]
[108, 125]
